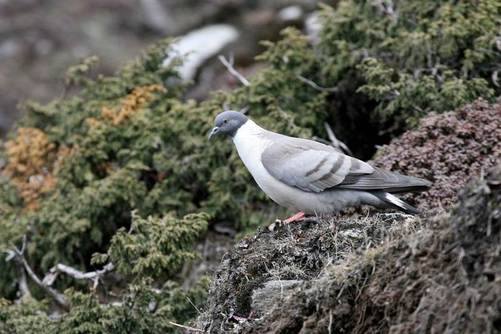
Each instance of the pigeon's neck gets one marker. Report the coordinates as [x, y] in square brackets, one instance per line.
[249, 129]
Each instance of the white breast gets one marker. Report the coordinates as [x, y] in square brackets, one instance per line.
[250, 141]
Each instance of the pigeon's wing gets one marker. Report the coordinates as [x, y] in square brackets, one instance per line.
[315, 167]
[384, 180]
[310, 166]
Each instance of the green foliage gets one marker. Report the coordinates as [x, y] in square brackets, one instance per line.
[77, 74]
[412, 57]
[141, 309]
[28, 317]
[154, 247]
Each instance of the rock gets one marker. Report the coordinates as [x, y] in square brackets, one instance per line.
[290, 13]
[198, 46]
[251, 275]
[442, 278]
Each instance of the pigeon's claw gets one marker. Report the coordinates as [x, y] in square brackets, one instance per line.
[295, 218]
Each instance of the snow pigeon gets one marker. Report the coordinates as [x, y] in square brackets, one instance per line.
[311, 177]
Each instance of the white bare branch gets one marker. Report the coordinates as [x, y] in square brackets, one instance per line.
[186, 327]
[316, 86]
[93, 276]
[18, 255]
[336, 142]
[229, 66]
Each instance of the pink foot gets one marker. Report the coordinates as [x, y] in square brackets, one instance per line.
[296, 218]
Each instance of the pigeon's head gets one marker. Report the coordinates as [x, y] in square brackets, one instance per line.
[228, 123]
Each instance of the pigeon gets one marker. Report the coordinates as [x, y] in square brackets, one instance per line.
[311, 177]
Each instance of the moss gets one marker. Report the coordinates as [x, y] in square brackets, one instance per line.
[298, 252]
[447, 149]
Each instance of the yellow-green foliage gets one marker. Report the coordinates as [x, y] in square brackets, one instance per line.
[154, 247]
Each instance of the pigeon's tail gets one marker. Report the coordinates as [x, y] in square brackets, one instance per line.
[396, 202]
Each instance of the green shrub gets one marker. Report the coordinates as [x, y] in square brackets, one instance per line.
[394, 61]
[141, 309]
[154, 247]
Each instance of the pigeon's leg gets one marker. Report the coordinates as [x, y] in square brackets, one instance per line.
[296, 218]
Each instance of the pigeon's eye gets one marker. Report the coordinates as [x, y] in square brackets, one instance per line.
[225, 121]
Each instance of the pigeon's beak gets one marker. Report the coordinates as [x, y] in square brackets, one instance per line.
[214, 131]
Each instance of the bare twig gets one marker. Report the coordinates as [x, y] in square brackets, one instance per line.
[494, 78]
[93, 276]
[316, 86]
[18, 255]
[229, 66]
[336, 142]
[186, 327]
[22, 281]
[193, 304]
[387, 8]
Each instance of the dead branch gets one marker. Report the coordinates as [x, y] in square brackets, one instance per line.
[93, 276]
[336, 142]
[18, 255]
[22, 281]
[24, 289]
[316, 86]
[387, 8]
[186, 327]
[229, 66]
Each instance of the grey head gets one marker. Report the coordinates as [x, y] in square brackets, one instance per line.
[227, 123]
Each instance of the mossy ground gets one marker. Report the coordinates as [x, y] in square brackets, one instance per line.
[442, 278]
[368, 274]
